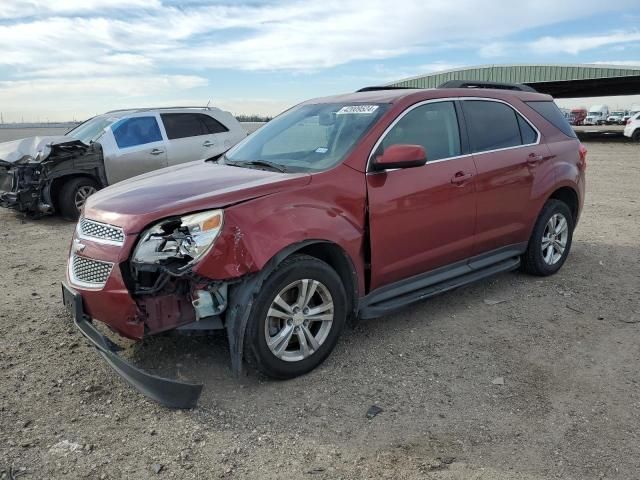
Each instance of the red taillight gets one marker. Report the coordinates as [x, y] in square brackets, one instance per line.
[583, 156]
[628, 121]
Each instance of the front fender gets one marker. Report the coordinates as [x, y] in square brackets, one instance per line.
[330, 208]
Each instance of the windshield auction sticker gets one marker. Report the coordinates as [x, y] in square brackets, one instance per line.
[361, 109]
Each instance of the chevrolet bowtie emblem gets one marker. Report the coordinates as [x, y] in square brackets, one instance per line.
[77, 246]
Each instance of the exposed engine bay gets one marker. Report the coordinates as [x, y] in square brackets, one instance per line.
[31, 170]
[162, 280]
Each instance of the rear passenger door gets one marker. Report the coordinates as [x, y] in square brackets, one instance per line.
[193, 136]
[422, 218]
[507, 152]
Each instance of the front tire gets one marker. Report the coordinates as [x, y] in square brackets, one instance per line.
[74, 194]
[296, 319]
[550, 240]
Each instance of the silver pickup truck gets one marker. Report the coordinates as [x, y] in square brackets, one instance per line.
[41, 175]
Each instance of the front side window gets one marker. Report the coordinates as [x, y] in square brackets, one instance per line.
[91, 130]
[433, 125]
[492, 125]
[130, 132]
[183, 125]
[308, 138]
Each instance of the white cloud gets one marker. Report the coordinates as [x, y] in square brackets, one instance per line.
[578, 43]
[94, 44]
[494, 49]
[628, 63]
[11, 9]
[295, 35]
[82, 97]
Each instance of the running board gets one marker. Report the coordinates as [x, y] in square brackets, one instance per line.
[376, 305]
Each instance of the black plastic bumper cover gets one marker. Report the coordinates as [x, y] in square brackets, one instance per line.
[168, 392]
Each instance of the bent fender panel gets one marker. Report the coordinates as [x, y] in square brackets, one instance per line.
[331, 208]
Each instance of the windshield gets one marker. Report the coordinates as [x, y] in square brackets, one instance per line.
[307, 138]
[90, 130]
[617, 114]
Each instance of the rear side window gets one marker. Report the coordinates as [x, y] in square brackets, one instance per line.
[130, 132]
[433, 125]
[551, 112]
[183, 125]
[491, 125]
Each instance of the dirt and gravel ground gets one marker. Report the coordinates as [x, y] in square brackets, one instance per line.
[545, 384]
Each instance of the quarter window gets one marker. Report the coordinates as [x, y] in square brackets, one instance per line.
[528, 134]
[130, 132]
[212, 125]
[183, 125]
[551, 113]
[433, 125]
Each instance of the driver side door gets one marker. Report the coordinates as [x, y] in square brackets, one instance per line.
[422, 218]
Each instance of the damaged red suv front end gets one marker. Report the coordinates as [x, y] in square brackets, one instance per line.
[142, 273]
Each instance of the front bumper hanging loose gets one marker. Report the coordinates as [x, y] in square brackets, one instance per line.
[168, 392]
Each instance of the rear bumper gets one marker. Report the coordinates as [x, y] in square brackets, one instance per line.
[168, 392]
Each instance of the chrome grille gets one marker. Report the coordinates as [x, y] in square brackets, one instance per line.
[89, 271]
[101, 231]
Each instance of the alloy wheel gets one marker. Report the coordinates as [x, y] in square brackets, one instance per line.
[299, 320]
[554, 239]
[84, 192]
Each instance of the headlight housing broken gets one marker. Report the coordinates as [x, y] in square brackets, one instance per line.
[179, 241]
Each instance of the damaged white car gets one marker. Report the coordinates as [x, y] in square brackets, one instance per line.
[41, 175]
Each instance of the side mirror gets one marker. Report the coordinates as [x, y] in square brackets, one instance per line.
[401, 156]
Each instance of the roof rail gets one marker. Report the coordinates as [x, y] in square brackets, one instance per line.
[384, 87]
[484, 84]
[146, 109]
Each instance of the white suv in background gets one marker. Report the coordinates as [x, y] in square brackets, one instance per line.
[632, 128]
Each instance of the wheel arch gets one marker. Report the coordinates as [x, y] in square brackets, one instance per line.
[55, 186]
[242, 294]
[332, 254]
[339, 260]
[569, 196]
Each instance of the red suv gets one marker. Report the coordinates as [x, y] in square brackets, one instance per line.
[343, 207]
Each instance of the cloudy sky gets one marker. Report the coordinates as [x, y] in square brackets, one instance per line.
[68, 59]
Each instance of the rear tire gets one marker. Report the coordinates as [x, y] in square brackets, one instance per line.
[550, 240]
[73, 194]
[282, 339]
[636, 135]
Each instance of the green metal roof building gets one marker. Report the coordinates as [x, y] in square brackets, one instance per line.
[561, 81]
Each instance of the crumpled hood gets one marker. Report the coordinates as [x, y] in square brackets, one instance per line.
[30, 148]
[135, 203]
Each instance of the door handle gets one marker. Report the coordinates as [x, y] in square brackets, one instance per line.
[208, 144]
[461, 177]
[156, 151]
[534, 158]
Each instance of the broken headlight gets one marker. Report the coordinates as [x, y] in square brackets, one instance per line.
[179, 241]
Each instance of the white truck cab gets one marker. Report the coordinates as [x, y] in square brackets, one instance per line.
[597, 115]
